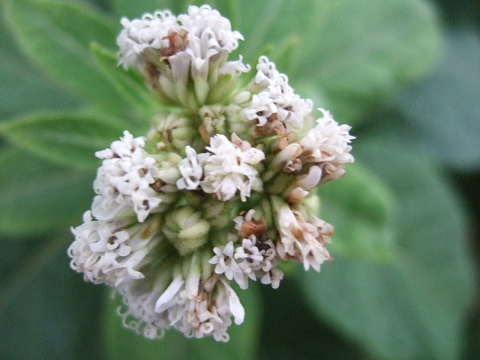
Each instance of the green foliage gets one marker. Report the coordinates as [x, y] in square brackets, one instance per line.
[19, 97]
[360, 205]
[445, 108]
[413, 307]
[134, 9]
[291, 331]
[57, 36]
[46, 311]
[349, 54]
[38, 196]
[67, 138]
[401, 284]
[128, 82]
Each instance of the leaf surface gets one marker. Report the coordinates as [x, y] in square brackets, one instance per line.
[38, 196]
[414, 307]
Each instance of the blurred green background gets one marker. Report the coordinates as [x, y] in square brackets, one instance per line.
[404, 73]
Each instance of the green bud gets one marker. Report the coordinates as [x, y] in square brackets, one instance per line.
[171, 132]
[222, 90]
[186, 230]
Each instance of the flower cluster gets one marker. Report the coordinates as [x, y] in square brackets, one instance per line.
[221, 190]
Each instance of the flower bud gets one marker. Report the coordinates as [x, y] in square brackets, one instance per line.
[186, 230]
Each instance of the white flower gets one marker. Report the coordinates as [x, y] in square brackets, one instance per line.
[210, 314]
[262, 109]
[272, 277]
[179, 300]
[235, 67]
[311, 179]
[259, 261]
[124, 180]
[141, 37]
[140, 297]
[251, 259]
[224, 170]
[267, 73]
[225, 263]
[210, 38]
[328, 146]
[191, 169]
[316, 158]
[276, 106]
[302, 239]
[220, 197]
[171, 51]
[229, 168]
[110, 252]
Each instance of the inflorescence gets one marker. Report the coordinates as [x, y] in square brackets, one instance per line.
[222, 189]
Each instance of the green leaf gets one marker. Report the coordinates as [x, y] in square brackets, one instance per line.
[129, 82]
[47, 311]
[38, 196]
[362, 52]
[350, 54]
[291, 331]
[444, 109]
[416, 306]
[135, 9]
[360, 206]
[125, 344]
[24, 88]
[57, 36]
[473, 350]
[460, 12]
[70, 139]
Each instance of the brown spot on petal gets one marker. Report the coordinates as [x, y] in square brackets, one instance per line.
[253, 227]
[151, 75]
[148, 232]
[204, 134]
[262, 246]
[146, 204]
[157, 185]
[177, 42]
